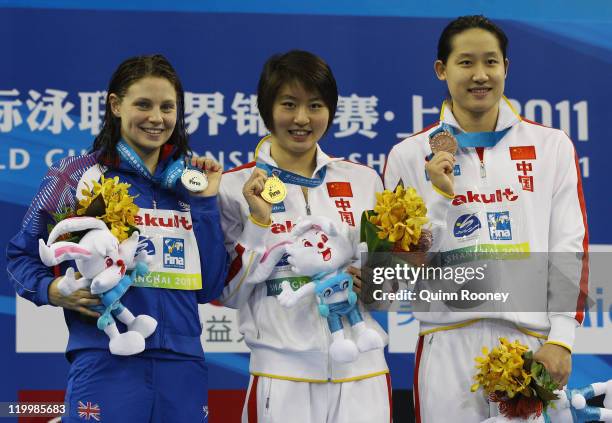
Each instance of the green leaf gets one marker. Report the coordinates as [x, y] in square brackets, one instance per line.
[536, 369]
[364, 219]
[369, 235]
[131, 230]
[544, 393]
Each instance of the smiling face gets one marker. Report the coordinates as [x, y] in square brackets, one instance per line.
[300, 119]
[316, 251]
[147, 113]
[475, 73]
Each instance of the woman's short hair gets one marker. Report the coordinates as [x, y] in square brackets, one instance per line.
[295, 66]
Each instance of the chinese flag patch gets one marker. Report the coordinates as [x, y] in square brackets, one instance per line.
[524, 152]
[339, 189]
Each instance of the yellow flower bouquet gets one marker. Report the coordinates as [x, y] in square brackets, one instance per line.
[107, 200]
[396, 223]
[511, 377]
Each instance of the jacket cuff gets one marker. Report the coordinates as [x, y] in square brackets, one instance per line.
[253, 235]
[562, 331]
[437, 209]
[43, 290]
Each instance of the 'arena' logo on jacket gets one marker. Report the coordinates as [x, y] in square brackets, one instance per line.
[497, 197]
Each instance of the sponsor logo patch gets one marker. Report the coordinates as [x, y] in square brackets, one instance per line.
[163, 222]
[499, 226]
[279, 228]
[466, 225]
[497, 197]
[174, 253]
[183, 206]
[283, 261]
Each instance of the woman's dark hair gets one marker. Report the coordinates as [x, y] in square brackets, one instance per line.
[463, 23]
[130, 71]
[295, 66]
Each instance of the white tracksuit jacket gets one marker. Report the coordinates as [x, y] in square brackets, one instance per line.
[525, 196]
[293, 343]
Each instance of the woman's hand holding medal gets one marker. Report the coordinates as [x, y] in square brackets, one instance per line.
[441, 166]
[260, 209]
[202, 177]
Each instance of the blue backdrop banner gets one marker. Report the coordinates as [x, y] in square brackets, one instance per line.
[58, 58]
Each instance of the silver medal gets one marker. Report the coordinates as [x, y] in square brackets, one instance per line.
[194, 180]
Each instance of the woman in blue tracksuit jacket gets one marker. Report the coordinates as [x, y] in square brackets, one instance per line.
[143, 142]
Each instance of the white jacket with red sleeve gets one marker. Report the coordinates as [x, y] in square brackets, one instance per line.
[525, 196]
[293, 343]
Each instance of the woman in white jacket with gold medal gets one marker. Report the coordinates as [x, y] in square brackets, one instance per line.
[292, 373]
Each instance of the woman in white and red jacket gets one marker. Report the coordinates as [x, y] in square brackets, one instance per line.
[292, 375]
[512, 189]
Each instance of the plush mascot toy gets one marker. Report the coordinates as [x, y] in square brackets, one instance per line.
[571, 407]
[321, 250]
[103, 263]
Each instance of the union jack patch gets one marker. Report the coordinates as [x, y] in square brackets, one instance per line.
[89, 411]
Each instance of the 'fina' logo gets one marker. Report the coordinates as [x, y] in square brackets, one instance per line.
[174, 253]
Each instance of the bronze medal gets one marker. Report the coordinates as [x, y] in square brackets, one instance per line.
[274, 191]
[443, 141]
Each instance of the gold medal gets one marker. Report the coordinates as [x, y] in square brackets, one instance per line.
[274, 191]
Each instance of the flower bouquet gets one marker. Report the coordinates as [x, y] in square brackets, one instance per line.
[510, 376]
[395, 228]
[396, 223]
[107, 200]
[101, 238]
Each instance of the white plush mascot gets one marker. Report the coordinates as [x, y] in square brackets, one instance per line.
[571, 407]
[318, 248]
[103, 263]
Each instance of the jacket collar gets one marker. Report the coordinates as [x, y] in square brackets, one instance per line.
[262, 154]
[507, 117]
[165, 157]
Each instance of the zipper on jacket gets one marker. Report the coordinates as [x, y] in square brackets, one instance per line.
[153, 199]
[305, 195]
[268, 395]
[483, 171]
[324, 328]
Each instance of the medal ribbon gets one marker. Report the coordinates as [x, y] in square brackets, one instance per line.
[293, 178]
[473, 139]
[167, 179]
